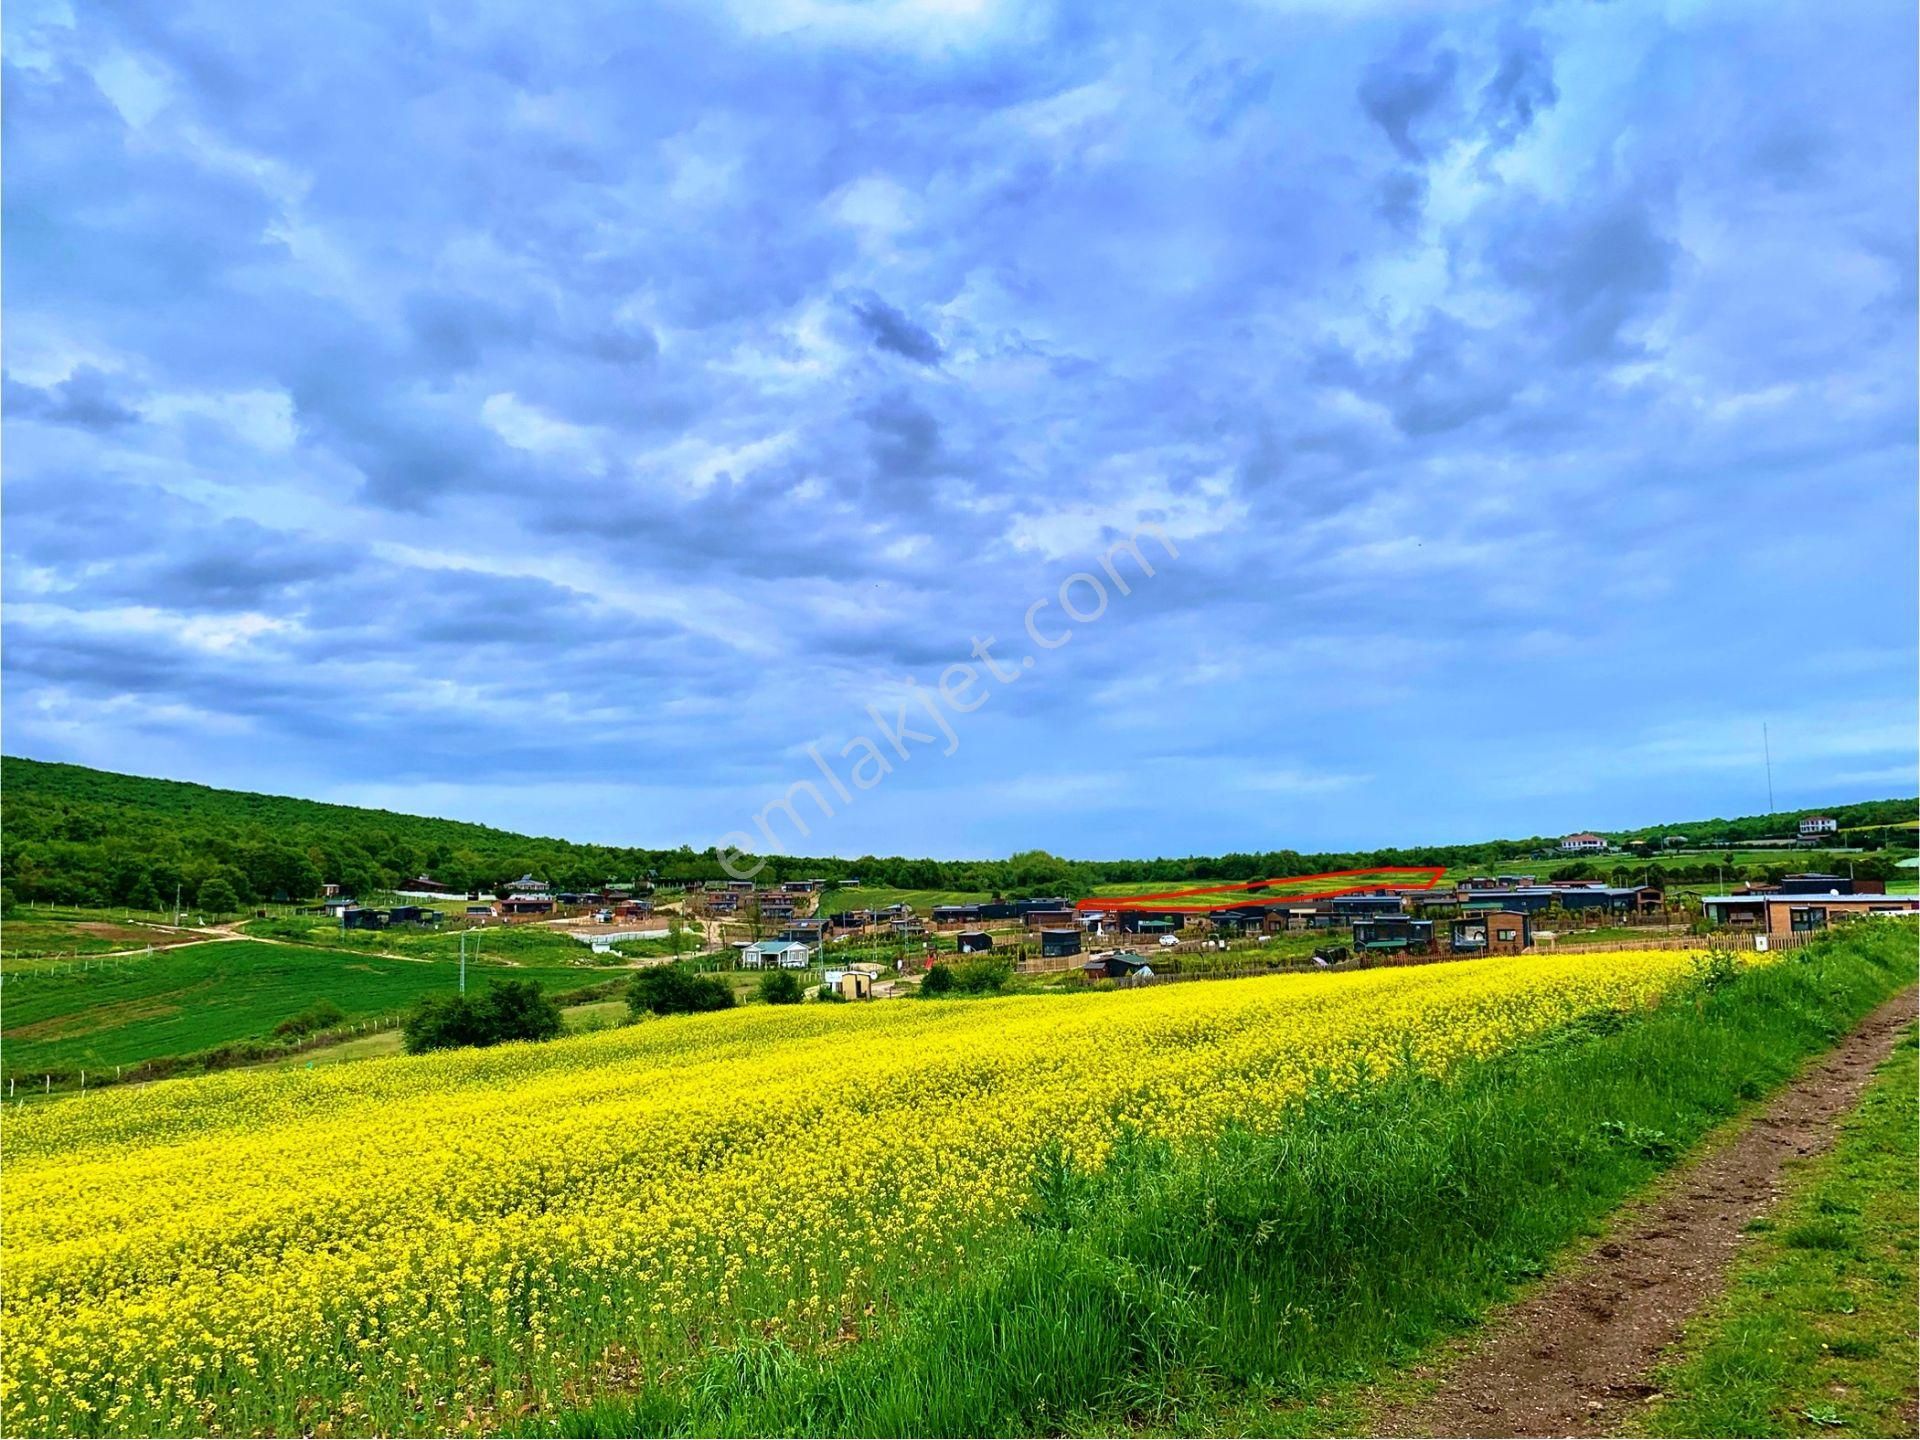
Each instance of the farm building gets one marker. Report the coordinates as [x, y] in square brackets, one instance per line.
[1380, 902]
[526, 905]
[956, 915]
[1491, 932]
[1815, 884]
[424, 887]
[776, 955]
[1116, 965]
[1151, 922]
[807, 932]
[1393, 932]
[973, 942]
[1616, 899]
[1775, 913]
[1060, 941]
[852, 982]
[1050, 919]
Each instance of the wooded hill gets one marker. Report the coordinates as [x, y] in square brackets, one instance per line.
[74, 835]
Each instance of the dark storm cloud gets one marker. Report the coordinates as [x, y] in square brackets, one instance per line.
[891, 330]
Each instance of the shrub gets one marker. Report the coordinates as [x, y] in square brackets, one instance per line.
[510, 1010]
[517, 1010]
[982, 977]
[780, 987]
[440, 1022]
[939, 980]
[675, 990]
[318, 1016]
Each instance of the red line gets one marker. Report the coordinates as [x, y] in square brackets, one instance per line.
[1432, 874]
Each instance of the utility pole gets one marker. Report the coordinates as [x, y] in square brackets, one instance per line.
[1766, 745]
[463, 962]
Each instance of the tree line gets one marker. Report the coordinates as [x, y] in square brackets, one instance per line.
[79, 836]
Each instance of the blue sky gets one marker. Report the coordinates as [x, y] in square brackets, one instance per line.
[580, 417]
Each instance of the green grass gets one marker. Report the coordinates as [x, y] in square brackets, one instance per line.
[877, 897]
[1256, 1285]
[26, 935]
[183, 1001]
[1816, 1332]
[513, 944]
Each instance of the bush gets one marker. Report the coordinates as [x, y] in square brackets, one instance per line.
[510, 1010]
[321, 1015]
[939, 980]
[441, 1022]
[780, 987]
[982, 977]
[675, 990]
[517, 1010]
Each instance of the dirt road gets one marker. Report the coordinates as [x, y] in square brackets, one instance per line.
[1574, 1358]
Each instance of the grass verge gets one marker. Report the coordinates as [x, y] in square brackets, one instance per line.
[1227, 1289]
[1815, 1334]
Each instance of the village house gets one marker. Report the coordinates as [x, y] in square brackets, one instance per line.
[776, 955]
[1585, 843]
[1812, 827]
[1060, 942]
[1784, 913]
[1491, 932]
[1116, 965]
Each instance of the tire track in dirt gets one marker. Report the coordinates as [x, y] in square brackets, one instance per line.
[1574, 1358]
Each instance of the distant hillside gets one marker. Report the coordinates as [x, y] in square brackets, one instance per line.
[79, 836]
[1893, 816]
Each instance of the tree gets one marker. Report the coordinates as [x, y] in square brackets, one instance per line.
[510, 1010]
[675, 990]
[780, 987]
[939, 980]
[517, 1010]
[441, 1022]
[217, 898]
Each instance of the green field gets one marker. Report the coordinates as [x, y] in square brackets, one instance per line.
[521, 944]
[1816, 1332]
[183, 1001]
[55, 931]
[878, 897]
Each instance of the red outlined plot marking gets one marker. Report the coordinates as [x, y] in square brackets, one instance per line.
[1227, 894]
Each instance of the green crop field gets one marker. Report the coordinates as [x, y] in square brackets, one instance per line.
[878, 897]
[183, 1001]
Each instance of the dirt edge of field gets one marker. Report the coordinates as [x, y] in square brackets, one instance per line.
[1575, 1357]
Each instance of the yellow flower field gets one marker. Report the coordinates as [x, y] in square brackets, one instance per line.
[438, 1243]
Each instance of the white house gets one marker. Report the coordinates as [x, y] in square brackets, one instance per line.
[1582, 844]
[1814, 825]
[776, 955]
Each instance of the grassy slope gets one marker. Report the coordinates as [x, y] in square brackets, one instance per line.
[1234, 1289]
[28, 935]
[198, 996]
[878, 897]
[1816, 1332]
